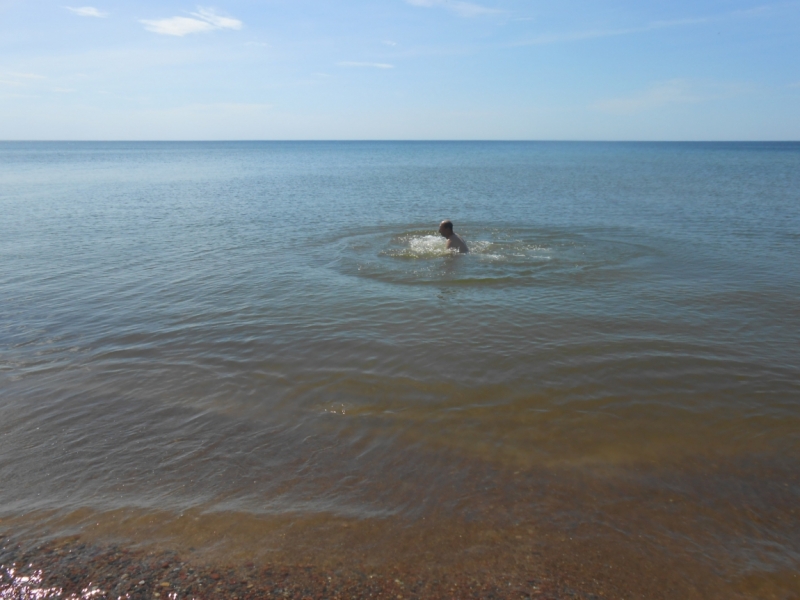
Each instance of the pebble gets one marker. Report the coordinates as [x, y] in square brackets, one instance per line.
[84, 566]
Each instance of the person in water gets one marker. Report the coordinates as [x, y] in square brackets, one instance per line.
[454, 241]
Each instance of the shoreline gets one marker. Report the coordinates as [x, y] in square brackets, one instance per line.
[69, 568]
[556, 543]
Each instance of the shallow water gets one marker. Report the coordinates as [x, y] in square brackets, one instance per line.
[265, 335]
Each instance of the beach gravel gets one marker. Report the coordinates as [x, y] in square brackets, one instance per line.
[70, 569]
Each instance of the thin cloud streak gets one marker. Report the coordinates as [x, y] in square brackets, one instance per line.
[374, 65]
[575, 36]
[206, 20]
[177, 26]
[18, 79]
[675, 91]
[87, 11]
[231, 106]
[217, 21]
[463, 9]
[664, 93]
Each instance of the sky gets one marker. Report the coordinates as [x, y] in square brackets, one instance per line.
[399, 69]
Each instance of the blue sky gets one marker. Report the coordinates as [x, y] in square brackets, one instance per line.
[400, 69]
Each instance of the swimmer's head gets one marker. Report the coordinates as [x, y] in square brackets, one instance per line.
[446, 227]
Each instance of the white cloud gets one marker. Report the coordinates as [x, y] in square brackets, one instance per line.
[178, 26]
[10, 83]
[389, 43]
[206, 20]
[348, 63]
[87, 11]
[218, 21]
[464, 9]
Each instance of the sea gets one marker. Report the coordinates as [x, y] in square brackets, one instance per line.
[263, 351]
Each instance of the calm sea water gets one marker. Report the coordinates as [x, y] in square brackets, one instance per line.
[207, 343]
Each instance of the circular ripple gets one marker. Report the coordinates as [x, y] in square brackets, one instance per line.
[498, 256]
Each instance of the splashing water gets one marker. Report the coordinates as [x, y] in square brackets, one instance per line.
[519, 256]
[415, 246]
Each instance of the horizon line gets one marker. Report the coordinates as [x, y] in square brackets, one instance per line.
[421, 140]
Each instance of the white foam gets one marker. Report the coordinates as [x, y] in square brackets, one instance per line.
[420, 246]
[427, 245]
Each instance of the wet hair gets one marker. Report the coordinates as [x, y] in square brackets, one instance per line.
[447, 224]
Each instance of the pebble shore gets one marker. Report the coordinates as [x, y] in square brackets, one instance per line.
[68, 568]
